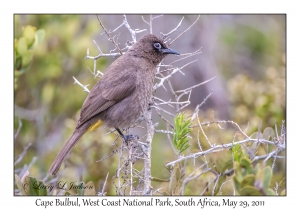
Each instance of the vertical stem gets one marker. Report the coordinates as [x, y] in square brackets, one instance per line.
[131, 167]
[150, 23]
[147, 153]
[119, 168]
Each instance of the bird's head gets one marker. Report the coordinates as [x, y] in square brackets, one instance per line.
[152, 48]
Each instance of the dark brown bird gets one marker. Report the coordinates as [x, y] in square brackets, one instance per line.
[121, 96]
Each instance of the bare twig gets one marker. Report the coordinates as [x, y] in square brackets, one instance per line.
[190, 88]
[150, 21]
[229, 145]
[216, 182]
[150, 24]
[21, 156]
[200, 126]
[145, 20]
[19, 128]
[207, 186]
[109, 37]
[132, 32]
[184, 31]
[188, 55]
[83, 86]
[220, 190]
[162, 80]
[172, 31]
[102, 192]
[164, 131]
[195, 113]
[99, 55]
[191, 177]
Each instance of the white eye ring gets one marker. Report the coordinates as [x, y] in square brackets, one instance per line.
[157, 45]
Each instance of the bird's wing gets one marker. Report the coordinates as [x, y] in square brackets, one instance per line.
[107, 92]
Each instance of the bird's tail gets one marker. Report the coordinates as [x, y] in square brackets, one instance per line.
[77, 134]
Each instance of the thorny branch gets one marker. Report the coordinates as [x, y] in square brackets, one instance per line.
[226, 146]
[172, 31]
[184, 31]
[109, 37]
[163, 79]
[150, 23]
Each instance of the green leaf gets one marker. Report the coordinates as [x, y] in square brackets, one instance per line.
[29, 188]
[27, 58]
[238, 172]
[248, 180]
[29, 34]
[245, 163]
[181, 131]
[22, 46]
[267, 177]
[250, 190]
[257, 168]
[221, 180]
[227, 165]
[270, 192]
[237, 184]
[39, 36]
[80, 190]
[18, 64]
[42, 190]
[37, 187]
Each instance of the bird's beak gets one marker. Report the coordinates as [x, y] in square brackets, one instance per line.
[169, 51]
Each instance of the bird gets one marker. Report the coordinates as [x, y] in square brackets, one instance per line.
[121, 95]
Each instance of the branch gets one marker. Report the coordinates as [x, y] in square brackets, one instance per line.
[109, 37]
[150, 21]
[191, 177]
[100, 54]
[187, 55]
[195, 113]
[147, 154]
[162, 80]
[102, 192]
[21, 156]
[172, 31]
[19, 129]
[132, 32]
[184, 31]
[83, 86]
[223, 146]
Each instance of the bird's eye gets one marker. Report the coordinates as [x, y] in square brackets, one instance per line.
[157, 45]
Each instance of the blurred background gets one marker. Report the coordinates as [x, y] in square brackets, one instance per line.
[246, 53]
